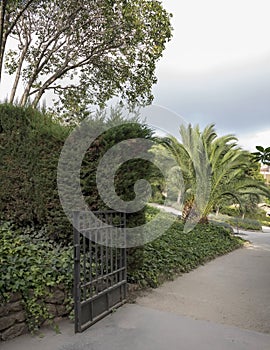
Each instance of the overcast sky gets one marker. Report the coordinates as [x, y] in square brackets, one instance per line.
[217, 67]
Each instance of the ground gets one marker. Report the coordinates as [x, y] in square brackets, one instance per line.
[232, 289]
[223, 305]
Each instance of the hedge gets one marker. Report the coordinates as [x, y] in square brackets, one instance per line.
[30, 145]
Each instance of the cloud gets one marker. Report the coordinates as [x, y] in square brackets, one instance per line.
[251, 140]
[236, 99]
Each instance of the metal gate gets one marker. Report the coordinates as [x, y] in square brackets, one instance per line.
[100, 282]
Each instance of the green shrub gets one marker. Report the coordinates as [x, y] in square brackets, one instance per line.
[30, 267]
[230, 211]
[175, 252]
[265, 223]
[30, 146]
[245, 224]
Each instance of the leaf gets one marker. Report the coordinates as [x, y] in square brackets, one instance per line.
[260, 148]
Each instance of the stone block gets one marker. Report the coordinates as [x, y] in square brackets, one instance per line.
[20, 316]
[14, 331]
[52, 309]
[15, 297]
[8, 308]
[56, 297]
[7, 321]
[61, 310]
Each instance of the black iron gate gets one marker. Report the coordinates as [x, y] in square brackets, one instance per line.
[100, 283]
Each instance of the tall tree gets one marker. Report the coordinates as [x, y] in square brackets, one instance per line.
[86, 52]
[229, 165]
[11, 11]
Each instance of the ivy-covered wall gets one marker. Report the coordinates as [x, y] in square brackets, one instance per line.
[14, 316]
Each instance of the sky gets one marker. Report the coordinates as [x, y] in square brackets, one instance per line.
[216, 69]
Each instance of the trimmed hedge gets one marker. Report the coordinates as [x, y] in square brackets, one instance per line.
[30, 145]
[245, 224]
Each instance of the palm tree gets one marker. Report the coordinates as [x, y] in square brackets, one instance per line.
[263, 155]
[212, 168]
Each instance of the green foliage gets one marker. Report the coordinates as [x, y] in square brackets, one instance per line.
[216, 167]
[30, 266]
[175, 251]
[245, 224]
[262, 155]
[242, 223]
[30, 145]
[87, 52]
[265, 222]
[231, 211]
[256, 214]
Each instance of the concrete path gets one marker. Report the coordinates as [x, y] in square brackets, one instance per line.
[230, 296]
[233, 289]
[167, 209]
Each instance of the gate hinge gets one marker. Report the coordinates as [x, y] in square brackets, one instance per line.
[77, 252]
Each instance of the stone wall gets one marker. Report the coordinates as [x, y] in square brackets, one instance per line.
[13, 315]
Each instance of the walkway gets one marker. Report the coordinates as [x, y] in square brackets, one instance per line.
[232, 289]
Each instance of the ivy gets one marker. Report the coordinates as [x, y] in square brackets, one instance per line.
[176, 252]
[31, 266]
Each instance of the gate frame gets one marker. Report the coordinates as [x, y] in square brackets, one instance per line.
[122, 284]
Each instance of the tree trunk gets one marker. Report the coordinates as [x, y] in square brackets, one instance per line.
[18, 73]
[204, 220]
[187, 209]
[3, 38]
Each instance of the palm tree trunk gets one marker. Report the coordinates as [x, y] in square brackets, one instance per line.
[204, 220]
[187, 209]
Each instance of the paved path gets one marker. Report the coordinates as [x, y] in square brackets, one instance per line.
[167, 209]
[230, 296]
[233, 289]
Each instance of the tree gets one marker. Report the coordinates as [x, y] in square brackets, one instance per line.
[11, 11]
[263, 155]
[86, 52]
[229, 168]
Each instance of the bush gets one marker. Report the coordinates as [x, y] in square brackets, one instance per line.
[265, 223]
[30, 146]
[175, 252]
[245, 224]
[31, 266]
[231, 211]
